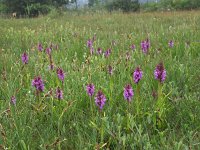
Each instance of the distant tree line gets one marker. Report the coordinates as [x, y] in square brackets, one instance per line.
[33, 8]
[171, 5]
[124, 5]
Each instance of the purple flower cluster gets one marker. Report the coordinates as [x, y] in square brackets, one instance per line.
[107, 52]
[99, 51]
[100, 100]
[132, 47]
[128, 92]
[13, 100]
[25, 58]
[61, 74]
[38, 84]
[137, 75]
[90, 89]
[145, 45]
[59, 93]
[160, 72]
[171, 44]
[51, 66]
[89, 43]
[48, 50]
[40, 48]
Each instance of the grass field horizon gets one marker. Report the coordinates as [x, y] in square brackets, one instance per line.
[100, 81]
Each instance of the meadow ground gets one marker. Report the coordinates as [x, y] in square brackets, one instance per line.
[42, 108]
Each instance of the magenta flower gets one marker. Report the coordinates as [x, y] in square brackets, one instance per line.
[51, 66]
[100, 100]
[107, 53]
[132, 47]
[160, 72]
[40, 48]
[61, 74]
[48, 50]
[128, 92]
[90, 89]
[38, 84]
[99, 51]
[145, 45]
[171, 44]
[89, 43]
[13, 100]
[137, 75]
[59, 93]
[25, 58]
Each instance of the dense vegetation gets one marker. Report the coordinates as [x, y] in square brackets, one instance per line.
[42, 108]
[34, 8]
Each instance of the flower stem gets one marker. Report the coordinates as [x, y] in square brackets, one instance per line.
[138, 99]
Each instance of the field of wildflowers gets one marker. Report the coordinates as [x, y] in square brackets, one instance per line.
[100, 81]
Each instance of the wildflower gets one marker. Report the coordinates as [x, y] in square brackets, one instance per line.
[132, 47]
[137, 75]
[48, 50]
[25, 58]
[100, 100]
[38, 84]
[128, 92]
[90, 89]
[61, 74]
[89, 43]
[59, 93]
[13, 100]
[171, 44]
[110, 70]
[51, 66]
[160, 72]
[91, 50]
[40, 48]
[145, 45]
[99, 51]
[107, 53]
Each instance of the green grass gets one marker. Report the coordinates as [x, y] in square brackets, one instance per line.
[75, 122]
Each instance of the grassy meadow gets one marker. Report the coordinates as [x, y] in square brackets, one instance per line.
[160, 115]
